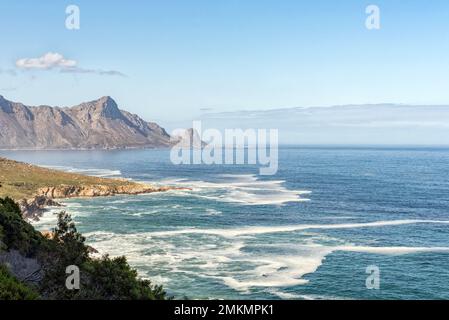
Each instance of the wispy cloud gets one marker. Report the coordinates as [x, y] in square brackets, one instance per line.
[10, 72]
[93, 71]
[49, 60]
[57, 61]
[8, 89]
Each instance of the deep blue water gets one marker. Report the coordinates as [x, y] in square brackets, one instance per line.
[308, 232]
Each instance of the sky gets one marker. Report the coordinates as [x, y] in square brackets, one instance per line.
[176, 59]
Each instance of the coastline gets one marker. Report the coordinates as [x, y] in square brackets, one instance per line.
[35, 188]
[35, 207]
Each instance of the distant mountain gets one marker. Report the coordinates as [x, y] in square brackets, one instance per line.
[97, 124]
[187, 138]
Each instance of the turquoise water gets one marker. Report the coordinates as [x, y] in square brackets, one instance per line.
[308, 232]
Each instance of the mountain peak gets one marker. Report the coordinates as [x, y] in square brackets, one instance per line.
[103, 107]
[109, 108]
[97, 124]
[105, 99]
[5, 105]
[105, 102]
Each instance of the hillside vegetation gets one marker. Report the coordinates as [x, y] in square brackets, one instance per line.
[34, 267]
[22, 181]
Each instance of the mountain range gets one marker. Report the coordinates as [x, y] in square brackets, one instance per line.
[98, 124]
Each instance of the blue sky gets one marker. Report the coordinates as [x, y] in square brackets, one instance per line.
[180, 58]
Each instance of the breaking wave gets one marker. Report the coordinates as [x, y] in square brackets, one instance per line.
[245, 189]
[101, 173]
[220, 254]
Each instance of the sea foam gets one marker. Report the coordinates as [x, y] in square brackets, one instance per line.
[245, 189]
[220, 253]
[101, 173]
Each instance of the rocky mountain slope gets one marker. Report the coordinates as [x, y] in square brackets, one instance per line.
[97, 124]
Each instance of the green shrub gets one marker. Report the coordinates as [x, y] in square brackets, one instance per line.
[103, 278]
[15, 232]
[115, 279]
[13, 289]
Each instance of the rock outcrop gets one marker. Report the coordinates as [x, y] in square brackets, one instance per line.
[97, 124]
[25, 269]
[34, 208]
[66, 191]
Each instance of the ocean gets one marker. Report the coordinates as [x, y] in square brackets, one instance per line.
[315, 230]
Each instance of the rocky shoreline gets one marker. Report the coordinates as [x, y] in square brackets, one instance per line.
[34, 208]
[35, 188]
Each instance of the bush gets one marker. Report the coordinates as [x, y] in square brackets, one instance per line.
[13, 289]
[114, 279]
[15, 233]
[103, 278]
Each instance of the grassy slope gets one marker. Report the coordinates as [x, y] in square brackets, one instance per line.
[21, 180]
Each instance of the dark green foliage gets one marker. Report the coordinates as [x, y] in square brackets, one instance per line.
[15, 233]
[69, 250]
[12, 289]
[103, 278]
[115, 279]
[74, 251]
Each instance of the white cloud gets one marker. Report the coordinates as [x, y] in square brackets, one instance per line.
[49, 60]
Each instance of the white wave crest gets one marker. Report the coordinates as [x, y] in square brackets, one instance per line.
[243, 189]
[245, 231]
[101, 173]
[220, 253]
